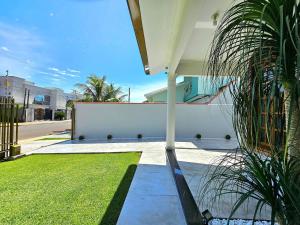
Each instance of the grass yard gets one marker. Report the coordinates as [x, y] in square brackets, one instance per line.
[65, 189]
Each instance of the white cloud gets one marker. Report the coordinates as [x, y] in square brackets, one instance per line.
[55, 79]
[53, 69]
[4, 49]
[61, 72]
[73, 71]
[25, 54]
[42, 72]
[72, 75]
[19, 47]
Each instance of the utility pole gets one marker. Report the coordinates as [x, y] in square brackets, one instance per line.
[129, 95]
[24, 104]
[28, 93]
[6, 84]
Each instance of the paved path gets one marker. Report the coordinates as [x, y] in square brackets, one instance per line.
[152, 197]
[37, 129]
[197, 164]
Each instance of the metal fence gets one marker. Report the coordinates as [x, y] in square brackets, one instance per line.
[8, 125]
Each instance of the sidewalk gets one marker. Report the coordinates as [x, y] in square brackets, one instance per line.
[37, 143]
[41, 122]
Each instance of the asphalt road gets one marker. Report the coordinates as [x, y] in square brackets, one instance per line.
[43, 128]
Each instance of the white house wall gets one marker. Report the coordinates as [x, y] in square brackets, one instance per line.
[96, 121]
[223, 98]
[17, 87]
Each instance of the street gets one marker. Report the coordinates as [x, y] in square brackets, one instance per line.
[37, 129]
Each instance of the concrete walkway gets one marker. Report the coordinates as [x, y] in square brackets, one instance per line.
[197, 164]
[41, 122]
[152, 197]
[33, 144]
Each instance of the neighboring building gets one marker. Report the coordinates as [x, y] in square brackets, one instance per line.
[42, 102]
[160, 95]
[198, 89]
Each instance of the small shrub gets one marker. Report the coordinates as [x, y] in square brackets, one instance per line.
[109, 137]
[198, 136]
[81, 137]
[139, 136]
[227, 137]
[59, 115]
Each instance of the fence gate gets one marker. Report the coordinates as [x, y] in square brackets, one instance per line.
[8, 125]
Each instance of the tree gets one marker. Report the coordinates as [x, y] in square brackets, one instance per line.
[257, 44]
[113, 94]
[97, 90]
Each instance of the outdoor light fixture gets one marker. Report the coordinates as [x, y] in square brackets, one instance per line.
[207, 215]
[147, 70]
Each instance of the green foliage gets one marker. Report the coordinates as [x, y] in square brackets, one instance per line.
[59, 115]
[70, 103]
[96, 89]
[257, 45]
[270, 180]
[65, 189]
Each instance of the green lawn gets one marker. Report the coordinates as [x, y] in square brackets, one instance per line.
[65, 189]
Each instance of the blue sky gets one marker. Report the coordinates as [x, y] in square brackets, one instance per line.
[58, 43]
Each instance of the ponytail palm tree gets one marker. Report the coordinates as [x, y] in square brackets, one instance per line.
[257, 45]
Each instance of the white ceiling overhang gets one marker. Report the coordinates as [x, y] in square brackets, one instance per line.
[178, 33]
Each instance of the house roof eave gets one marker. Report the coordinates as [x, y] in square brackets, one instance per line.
[136, 19]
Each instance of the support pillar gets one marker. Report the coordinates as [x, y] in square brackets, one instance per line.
[171, 112]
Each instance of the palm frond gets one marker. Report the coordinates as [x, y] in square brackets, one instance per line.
[257, 47]
[96, 89]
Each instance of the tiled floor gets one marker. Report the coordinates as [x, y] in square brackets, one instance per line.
[196, 164]
[152, 197]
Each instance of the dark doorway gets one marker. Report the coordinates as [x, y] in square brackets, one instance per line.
[48, 114]
[39, 114]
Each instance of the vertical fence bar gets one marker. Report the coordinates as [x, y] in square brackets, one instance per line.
[1, 129]
[2, 126]
[8, 117]
[17, 124]
[12, 122]
[5, 126]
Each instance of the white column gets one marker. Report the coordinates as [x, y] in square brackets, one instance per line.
[171, 112]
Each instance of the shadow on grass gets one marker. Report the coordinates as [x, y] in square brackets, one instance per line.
[114, 209]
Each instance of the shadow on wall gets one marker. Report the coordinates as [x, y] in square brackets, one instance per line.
[114, 209]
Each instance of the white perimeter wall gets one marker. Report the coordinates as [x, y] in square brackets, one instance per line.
[96, 121]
